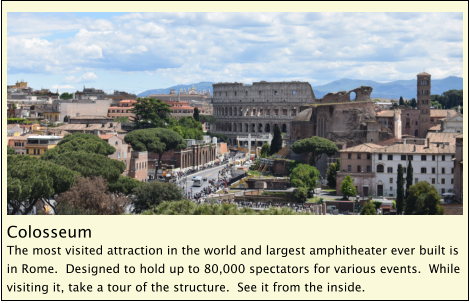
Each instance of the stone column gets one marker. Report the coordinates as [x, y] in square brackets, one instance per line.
[324, 208]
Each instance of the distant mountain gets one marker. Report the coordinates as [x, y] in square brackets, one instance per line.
[198, 86]
[389, 90]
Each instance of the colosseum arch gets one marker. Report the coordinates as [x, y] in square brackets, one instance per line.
[260, 112]
[268, 111]
[253, 127]
[260, 128]
[246, 128]
[276, 111]
[284, 128]
[284, 111]
[230, 111]
[267, 128]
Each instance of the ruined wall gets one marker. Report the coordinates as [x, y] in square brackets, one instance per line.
[362, 94]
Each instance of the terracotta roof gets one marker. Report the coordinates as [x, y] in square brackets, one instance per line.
[442, 113]
[459, 136]
[106, 137]
[24, 137]
[386, 114]
[417, 149]
[424, 74]
[366, 147]
[442, 137]
[90, 117]
[435, 128]
[389, 142]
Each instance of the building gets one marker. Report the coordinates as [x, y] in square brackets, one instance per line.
[192, 94]
[123, 150]
[36, 145]
[357, 162]
[138, 165]
[93, 127]
[458, 169]
[432, 162]
[18, 84]
[258, 108]
[118, 96]
[14, 130]
[19, 143]
[453, 123]
[89, 92]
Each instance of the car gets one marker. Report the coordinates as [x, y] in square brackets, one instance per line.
[194, 178]
[204, 179]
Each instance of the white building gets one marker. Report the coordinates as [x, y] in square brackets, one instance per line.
[431, 162]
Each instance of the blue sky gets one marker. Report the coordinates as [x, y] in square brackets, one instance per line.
[139, 51]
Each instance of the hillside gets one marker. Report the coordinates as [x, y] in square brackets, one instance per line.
[389, 90]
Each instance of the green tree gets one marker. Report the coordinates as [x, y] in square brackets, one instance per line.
[400, 191]
[220, 137]
[377, 204]
[66, 119]
[276, 143]
[292, 164]
[347, 187]
[124, 185]
[401, 101]
[423, 199]
[436, 104]
[10, 150]
[196, 114]
[65, 96]
[409, 176]
[122, 119]
[157, 140]
[150, 113]
[413, 102]
[304, 175]
[207, 118]
[332, 172]
[188, 128]
[30, 180]
[300, 195]
[80, 142]
[150, 195]
[265, 150]
[368, 209]
[315, 147]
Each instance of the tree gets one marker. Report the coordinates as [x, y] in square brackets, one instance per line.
[220, 137]
[401, 101]
[413, 102]
[436, 104]
[347, 187]
[196, 114]
[124, 185]
[332, 171]
[276, 143]
[377, 204]
[188, 128]
[122, 119]
[89, 164]
[301, 195]
[150, 113]
[206, 118]
[423, 199]
[304, 175]
[152, 194]
[157, 140]
[80, 142]
[316, 146]
[368, 209]
[265, 149]
[400, 191]
[91, 194]
[31, 180]
[409, 176]
[65, 96]
[10, 150]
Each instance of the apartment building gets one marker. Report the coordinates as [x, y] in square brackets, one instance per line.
[123, 150]
[36, 145]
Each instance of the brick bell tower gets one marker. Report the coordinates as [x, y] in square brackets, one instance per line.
[424, 103]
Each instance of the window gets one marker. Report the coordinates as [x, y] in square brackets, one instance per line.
[423, 170]
[275, 92]
[116, 143]
[443, 170]
[389, 170]
[443, 181]
[423, 157]
[368, 169]
[380, 168]
[433, 170]
[391, 180]
[452, 181]
[416, 180]
[404, 170]
[416, 123]
[403, 157]
[433, 180]
[349, 167]
[349, 156]
[390, 157]
[359, 156]
[443, 191]
[452, 170]
[410, 157]
[368, 156]
[119, 155]
[260, 93]
[434, 157]
[380, 156]
[443, 157]
[358, 169]
[293, 92]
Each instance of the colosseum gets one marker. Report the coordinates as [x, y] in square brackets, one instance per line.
[256, 109]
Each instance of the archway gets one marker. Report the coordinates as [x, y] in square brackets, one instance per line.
[352, 96]
[267, 128]
[284, 128]
[260, 128]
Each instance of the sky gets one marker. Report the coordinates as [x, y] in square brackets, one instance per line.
[135, 52]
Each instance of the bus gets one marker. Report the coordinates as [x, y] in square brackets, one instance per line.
[198, 181]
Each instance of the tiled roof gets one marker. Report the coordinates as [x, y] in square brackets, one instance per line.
[424, 74]
[442, 113]
[90, 117]
[389, 142]
[24, 137]
[366, 147]
[442, 137]
[435, 128]
[106, 137]
[417, 149]
[386, 114]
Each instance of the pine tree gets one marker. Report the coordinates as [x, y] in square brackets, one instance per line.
[196, 114]
[400, 193]
[276, 143]
[401, 102]
[409, 176]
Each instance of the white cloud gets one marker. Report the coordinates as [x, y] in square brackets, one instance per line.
[86, 78]
[151, 29]
[57, 86]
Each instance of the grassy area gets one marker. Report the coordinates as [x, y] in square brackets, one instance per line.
[253, 172]
[314, 200]
[330, 190]
[257, 174]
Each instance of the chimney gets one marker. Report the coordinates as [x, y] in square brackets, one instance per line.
[428, 142]
[414, 148]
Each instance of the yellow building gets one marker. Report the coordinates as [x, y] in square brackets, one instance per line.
[19, 84]
[37, 145]
[37, 129]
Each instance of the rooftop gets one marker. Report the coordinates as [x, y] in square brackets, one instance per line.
[442, 137]
[90, 117]
[366, 147]
[437, 113]
[424, 74]
[45, 137]
[417, 149]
